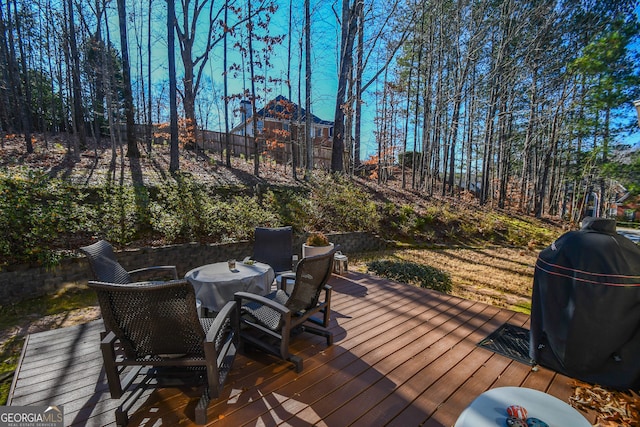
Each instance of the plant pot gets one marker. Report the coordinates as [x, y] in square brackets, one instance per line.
[308, 251]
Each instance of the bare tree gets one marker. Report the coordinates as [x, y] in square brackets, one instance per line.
[197, 14]
[308, 137]
[292, 142]
[174, 163]
[358, 89]
[227, 142]
[26, 113]
[149, 96]
[10, 73]
[132, 145]
[350, 13]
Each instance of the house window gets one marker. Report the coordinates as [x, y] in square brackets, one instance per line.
[260, 126]
[285, 126]
[318, 132]
[331, 132]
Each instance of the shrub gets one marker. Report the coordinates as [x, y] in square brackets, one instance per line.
[116, 217]
[187, 211]
[340, 205]
[179, 210]
[34, 211]
[292, 207]
[235, 218]
[412, 273]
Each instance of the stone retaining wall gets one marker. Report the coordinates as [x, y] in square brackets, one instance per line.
[34, 282]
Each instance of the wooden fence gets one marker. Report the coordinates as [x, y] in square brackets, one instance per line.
[241, 145]
[213, 141]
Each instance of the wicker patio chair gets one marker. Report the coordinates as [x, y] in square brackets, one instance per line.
[267, 321]
[106, 268]
[274, 246]
[153, 327]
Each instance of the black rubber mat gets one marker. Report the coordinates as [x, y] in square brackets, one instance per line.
[510, 341]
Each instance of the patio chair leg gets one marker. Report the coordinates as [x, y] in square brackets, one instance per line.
[122, 418]
[201, 407]
[297, 362]
[318, 330]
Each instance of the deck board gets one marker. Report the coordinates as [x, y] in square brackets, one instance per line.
[401, 356]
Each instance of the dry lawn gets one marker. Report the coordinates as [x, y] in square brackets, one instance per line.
[497, 276]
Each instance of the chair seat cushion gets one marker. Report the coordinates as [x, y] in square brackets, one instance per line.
[206, 323]
[264, 315]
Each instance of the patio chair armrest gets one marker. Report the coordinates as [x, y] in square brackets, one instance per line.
[155, 283]
[109, 339]
[230, 312]
[240, 296]
[285, 277]
[155, 269]
[327, 292]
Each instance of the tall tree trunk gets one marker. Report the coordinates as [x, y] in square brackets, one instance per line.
[455, 119]
[471, 112]
[308, 137]
[359, 71]
[605, 159]
[549, 154]
[26, 113]
[254, 121]
[149, 96]
[526, 166]
[227, 142]
[504, 158]
[78, 114]
[110, 91]
[416, 161]
[98, 78]
[349, 26]
[292, 144]
[132, 146]
[20, 103]
[299, 137]
[406, 122]
[9, 74]
[174, 162]
[487, 162]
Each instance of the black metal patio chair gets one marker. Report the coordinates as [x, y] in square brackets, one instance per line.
[106, 268]
[274, 246]
[267, 322]
[153, 328]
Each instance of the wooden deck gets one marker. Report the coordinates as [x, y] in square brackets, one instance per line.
[402, 356]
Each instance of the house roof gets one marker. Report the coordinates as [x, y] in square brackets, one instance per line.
[281, 108]
[620, 200]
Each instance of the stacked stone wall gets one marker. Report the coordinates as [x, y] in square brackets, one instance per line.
[23, 282]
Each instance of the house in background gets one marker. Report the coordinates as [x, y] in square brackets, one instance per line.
[626, 207]
[281, 125]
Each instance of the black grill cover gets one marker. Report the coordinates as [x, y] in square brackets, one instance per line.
[585, 309]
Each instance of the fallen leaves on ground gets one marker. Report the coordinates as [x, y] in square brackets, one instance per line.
[613, 408]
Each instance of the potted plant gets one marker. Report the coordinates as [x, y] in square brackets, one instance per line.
[316, 244]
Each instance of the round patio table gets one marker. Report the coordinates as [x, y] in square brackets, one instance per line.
[215, 284]
[490, 408]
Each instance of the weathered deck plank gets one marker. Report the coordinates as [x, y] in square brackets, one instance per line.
[402, 356]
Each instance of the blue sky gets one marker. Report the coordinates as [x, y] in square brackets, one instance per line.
[325, 43]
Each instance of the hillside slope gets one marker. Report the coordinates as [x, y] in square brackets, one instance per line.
[407, 215]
